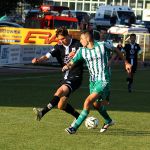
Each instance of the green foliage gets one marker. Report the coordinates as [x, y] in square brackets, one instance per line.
[34, 2]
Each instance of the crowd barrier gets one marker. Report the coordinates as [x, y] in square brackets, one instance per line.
[23, 54]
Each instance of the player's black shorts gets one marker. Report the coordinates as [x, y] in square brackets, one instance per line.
[133, 69]
[72, 83]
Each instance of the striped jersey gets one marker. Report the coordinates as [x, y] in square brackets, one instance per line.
[96, 60]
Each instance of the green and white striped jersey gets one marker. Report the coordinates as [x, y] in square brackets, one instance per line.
[96, 60]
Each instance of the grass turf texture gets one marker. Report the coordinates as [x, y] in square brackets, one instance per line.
[19, 130]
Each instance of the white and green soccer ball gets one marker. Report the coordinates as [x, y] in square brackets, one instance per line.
[91, 122]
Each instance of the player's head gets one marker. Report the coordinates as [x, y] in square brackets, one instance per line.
[132, 38]
[103, 34]
[86, 37]
[63, 35]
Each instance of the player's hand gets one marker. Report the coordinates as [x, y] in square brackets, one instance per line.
[65, 68]
[34, 60]
[71, 54]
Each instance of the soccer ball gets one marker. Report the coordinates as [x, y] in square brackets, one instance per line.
[91, 122]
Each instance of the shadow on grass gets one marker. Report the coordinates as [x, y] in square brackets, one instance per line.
[125, 132]
[36, 90]
[117, 132]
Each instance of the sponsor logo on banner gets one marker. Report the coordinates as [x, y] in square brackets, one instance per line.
[25, 36]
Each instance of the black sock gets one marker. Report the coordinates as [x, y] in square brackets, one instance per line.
[52, 104]
[130, 81]
[69, 109]
[127, 79]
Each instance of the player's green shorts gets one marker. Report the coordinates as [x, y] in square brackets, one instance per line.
[102, 88]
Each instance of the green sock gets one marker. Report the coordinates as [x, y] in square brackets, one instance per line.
[104, 114]
[81, 118]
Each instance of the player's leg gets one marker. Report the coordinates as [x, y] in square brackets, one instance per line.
[130, 78]
[64, 105]
[101, 108]
[61, 91]
[72, 84]
[100, 105]
[95, 87]
[65, 90]
[86, 108]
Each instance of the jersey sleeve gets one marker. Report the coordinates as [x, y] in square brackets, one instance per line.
[78, 56]
[55, 51]
[139, 49]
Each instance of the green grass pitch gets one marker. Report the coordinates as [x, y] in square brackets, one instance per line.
[19, 130]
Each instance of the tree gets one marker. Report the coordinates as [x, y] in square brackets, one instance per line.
[34, 2]
[7, 5]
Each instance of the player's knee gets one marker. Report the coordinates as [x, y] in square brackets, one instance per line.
[59, 92]
[87, 104]
[96, 105]
[65, 90]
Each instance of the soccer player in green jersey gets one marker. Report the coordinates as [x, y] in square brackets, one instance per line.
[96, 56]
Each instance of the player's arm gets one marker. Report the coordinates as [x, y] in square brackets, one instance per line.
[128, 66]
[111, 59]
[43, 58]
[73, 61]
[110, 46]
[68, 66]
[40, 59]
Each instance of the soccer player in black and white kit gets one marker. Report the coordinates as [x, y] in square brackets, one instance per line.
[72, 79]
[131, 51]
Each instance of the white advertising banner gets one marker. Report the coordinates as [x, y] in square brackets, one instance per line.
[42, 50]
[4, 54]
[14, 54]
[23, 54]
[27, 53]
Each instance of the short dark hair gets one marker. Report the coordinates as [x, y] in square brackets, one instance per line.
[133, 35]
[103, 28]
[62, 31]
[90, 33]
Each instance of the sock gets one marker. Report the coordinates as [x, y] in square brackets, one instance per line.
[130, 80]
[50, 105]
[81, 118]
[70, 110]
[104, 114]
[127, 79]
